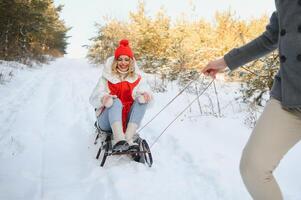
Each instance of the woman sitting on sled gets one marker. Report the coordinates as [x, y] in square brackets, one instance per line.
[121, 98]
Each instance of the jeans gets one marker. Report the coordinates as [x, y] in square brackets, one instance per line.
[114, 114]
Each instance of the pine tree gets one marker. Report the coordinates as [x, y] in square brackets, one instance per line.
[104, 44]
[31, 30]
[150, 38]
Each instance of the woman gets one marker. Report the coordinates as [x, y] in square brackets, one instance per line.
[121, 98]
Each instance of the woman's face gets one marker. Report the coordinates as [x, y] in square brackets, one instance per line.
[123, 63]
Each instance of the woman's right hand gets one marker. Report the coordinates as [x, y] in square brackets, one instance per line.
[214, 67]
[107, 100]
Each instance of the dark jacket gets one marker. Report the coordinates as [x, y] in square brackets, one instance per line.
[283, 32]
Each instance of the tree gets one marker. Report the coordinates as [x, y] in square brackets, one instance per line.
[31, 31]
[104, 44]
[150, 38]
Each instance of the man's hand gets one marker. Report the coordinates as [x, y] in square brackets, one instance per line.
[213, 67]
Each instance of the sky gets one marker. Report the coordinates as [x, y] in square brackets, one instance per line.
[82, 15]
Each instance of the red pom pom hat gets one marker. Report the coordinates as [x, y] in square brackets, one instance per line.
[124, 49]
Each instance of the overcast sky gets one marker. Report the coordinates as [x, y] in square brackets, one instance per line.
[82, 15]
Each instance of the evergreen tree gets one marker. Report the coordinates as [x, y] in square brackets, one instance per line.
[104, 44]
[31, 30]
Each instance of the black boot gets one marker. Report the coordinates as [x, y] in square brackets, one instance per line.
[134, 147]
[121, 145]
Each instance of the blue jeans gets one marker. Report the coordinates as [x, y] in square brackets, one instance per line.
[114, 114]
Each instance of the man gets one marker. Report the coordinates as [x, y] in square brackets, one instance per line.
[279, 127]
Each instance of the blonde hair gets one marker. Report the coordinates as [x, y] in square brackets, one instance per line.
[131, 73]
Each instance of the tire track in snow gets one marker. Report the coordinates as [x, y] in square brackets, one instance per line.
[25, 123]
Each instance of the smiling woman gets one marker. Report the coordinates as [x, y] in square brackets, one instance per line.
[121, 98]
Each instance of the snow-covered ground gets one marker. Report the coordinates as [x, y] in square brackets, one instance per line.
[47, 151]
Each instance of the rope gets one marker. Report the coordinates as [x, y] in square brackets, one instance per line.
[252, 72]
[181, 113]
[166, 105]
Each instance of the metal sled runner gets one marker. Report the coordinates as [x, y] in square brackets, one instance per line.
[143, 155]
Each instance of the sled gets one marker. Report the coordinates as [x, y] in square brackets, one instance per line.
[105, 150]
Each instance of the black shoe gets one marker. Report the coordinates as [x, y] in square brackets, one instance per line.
[121, 145]
[134, 147]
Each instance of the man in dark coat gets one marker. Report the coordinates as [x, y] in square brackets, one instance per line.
[279, 127]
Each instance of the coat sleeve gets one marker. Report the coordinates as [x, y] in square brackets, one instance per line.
[262, 45]
[99, 91]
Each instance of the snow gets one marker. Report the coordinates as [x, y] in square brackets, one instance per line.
[47, 150]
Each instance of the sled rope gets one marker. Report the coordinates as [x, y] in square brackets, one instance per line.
[166, 105]
[256, 74]
[252, 72]
[198, 96]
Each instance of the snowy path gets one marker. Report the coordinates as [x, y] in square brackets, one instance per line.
[47, 151]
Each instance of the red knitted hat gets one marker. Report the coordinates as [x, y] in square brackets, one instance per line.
[123, 49]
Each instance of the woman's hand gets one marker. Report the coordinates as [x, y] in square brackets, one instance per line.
[144, 97]
[214, 67]
[107, 100]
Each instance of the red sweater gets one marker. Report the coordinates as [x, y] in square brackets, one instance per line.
[123, 90]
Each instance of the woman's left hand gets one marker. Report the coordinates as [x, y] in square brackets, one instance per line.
[144, 97]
